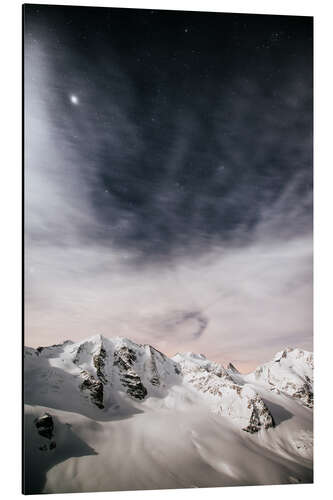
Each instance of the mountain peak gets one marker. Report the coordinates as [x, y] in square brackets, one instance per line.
[290, 372]
[98, 337]
[294, 353]
[232, 368]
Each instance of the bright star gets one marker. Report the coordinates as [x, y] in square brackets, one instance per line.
[74, 99]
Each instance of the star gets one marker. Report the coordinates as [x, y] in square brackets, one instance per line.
[74, 99]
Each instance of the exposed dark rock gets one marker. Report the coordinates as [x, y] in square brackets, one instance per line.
[134, 386]
[260, 418]
[177, 370]
[232, 368]
[125, 357]
[99, 364]
[95, 388]
[254, 424]
[155, 380]
[305, 394]
[153, 349]
[45, 426]
[77, 355]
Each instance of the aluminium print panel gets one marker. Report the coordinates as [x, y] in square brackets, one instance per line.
[168, 249]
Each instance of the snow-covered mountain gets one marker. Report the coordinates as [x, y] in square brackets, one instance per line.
[222, 394]
[100, 382]
[291, 372]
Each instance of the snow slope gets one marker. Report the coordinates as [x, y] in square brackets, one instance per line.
[110, 414]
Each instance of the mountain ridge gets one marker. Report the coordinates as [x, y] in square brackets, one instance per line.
[116, 372]
[81, 398]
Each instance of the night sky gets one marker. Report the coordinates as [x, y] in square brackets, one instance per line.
[168, 179]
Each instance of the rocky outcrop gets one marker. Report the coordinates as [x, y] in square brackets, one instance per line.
[125, 358]
[154, 377]
[261, 417]
[133, 385]
[305, 394]
[45, 429]
[232, 369]
[94, 380]
[99, 364]
[45, 426]
[94, 387]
